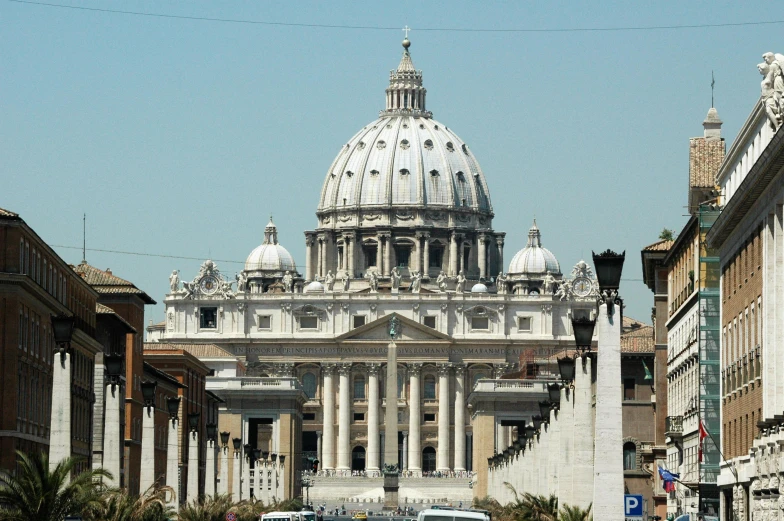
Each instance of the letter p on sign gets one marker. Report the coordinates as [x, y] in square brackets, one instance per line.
[632, 505]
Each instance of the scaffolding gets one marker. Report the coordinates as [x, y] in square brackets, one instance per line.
[710, 370]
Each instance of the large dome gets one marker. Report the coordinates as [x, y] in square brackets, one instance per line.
[406, 163]
[270, 256]
[534, 261]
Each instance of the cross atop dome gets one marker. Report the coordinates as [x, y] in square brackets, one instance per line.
[405, 95]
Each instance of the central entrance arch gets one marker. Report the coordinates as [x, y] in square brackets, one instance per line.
[358, 458]
[428, 459]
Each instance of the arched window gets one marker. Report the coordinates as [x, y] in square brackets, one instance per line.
[629, 456]
[430, 387]
[359, 387]
[309, 385]
[358, 458]
[428, 459]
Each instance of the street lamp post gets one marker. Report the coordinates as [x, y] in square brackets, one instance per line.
[147, 474]
[60, 437]
[608, 458]
[172, 452]
[112, 437]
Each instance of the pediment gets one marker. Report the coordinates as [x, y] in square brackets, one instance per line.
[379, 330]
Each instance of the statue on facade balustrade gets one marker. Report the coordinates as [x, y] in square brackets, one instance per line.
[416, 281]
[461, 282]
[548, 285]
[329, 281]
[288, 282]
[344, 281]
[373, 280]
[396, 277]
[500, 283]
[564, 290]
[174, 281]
[441, 281]
[242, 282]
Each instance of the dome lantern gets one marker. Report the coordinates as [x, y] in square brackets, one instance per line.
[405, 94]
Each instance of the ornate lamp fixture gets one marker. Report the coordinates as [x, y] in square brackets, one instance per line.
[530, 432]
[256, 454]
[225, 439]
[537, 420]
[566, 368]
[273, 457]
[544, 410]
[114, 367]
[193, 421]
[554, 393]
[247, 450]
[237, 443]
[212, 431]
[281, 458]
[62, 327]
[265, 455]
[609, 267]
[148, 392]
[173, 405]
[583, 333]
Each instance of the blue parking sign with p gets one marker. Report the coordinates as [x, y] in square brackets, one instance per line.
[632, 505]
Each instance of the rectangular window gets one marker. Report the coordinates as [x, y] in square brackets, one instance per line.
[359, 416]
[524, 324]
[480, 323]
[436, 256]
[429, 321]
[208, 318]
[430, 417]
[358, 320]
[371, 253]
[309, 416]
[308, 322]
[265, 322]
[402, 254]
[628, 389]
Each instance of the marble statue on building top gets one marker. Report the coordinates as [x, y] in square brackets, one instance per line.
[500, 283]
[330, 281]
[441, 282]
[548, 284]
[772, 87]
[416, 281]
[288, 282]
[373, 279]
[581, 269]
[461, 282]
[242, 282]
[564, 291]
[345, 281]
[174, 281]
[396, 277]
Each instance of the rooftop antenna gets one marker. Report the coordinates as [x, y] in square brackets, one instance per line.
[713, 84]
[84, 238]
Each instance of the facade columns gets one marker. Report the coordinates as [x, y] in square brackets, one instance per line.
[387, 253]
[373, 451]
[426, 255]
[459, 418]
[308, 257]
[319, 258]
[236, 476]
[482, 255]
[319, 447]
[352, 255]
[414, 419]
[404, 458]
[500, 244]
[470, 447]
[442, 456]
[112, 438]
[453, 255]
[193, 466]
[344, 417]
[461, 258]
[147, 474]
[173, 462]
[60, 438]
[328, 397]
[209, 471]
[223, 474]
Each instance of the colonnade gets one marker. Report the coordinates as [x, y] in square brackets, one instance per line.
[262, 479]
[553, 456]
[336, 448]
[326, 251]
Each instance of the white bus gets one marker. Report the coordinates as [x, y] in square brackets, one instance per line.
[305, 515]
[453, 514]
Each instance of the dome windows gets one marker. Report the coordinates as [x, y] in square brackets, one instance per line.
[389, 126]
[465, 149]
[428, 144]
[421, 127]
[360, 145]
[405, 125]
[450, 147]
[374, 173]
[404, 171]
[349, 173]
[460, 177]
[435, 127]
[405, 144]
[381, 145]
[434, 173]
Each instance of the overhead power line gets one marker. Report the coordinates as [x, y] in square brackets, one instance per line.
[383, 28]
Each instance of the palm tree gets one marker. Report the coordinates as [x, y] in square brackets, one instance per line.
[572, 513]
[532, 508]
[118, 505]
[211, 509]
[35, 492]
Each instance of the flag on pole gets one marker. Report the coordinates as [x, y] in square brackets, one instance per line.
[703, 435]
[668, 478]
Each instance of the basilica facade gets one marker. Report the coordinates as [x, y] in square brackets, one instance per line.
[404, 229]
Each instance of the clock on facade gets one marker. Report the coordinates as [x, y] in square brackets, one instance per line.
[208, 285]
[582, 286]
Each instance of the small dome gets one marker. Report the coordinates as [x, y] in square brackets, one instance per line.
[534, 260]
[314, 287]
[270, 256]
[479, 288]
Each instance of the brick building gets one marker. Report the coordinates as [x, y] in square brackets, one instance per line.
[128, 302]
[35, 284]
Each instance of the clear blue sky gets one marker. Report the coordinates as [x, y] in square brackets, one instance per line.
[181, 137]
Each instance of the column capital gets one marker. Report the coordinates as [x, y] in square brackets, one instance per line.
[459, 369]
[499, 241]
[422, 235]
[309, 240]
[444, 369]
[349, 236]
[328, 367]
[414, 369]
[456, 236]
[470, 434]
[373, 368]
[344, 369]
[384, 235]
[319, 433]
[404, 433]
